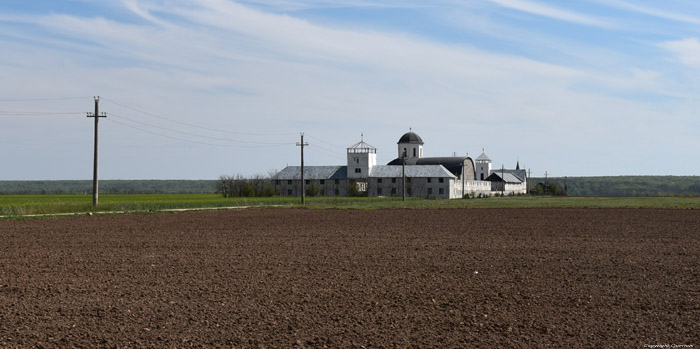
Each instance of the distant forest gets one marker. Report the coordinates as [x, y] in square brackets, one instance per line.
[626, 185]
[573, 186]
[109, 187]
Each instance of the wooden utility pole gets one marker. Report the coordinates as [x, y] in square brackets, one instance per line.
[403, 174]
[463, 174]
[95, 185]
[302, 145]
[545, 183]
[503, 191]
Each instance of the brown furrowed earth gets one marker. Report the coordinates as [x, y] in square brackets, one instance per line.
[346, 278]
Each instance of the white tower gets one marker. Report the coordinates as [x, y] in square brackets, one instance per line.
[411, 144]
[361, 158]
[483, 166]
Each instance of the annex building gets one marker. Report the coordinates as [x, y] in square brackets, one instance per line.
[427, 177]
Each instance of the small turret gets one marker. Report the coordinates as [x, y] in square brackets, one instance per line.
[483, 166]
[411, 144]
[361, 158]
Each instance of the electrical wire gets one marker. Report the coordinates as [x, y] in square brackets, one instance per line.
[42, 99]
[193, 134]
[197, 142]
[322, 141]
[39, 113]
[324, 153]
[193, 125]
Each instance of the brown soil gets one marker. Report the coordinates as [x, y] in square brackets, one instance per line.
[339, 278]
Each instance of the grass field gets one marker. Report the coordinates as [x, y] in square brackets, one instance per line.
[18, 205]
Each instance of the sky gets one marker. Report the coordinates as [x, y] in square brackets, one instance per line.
[196, 89]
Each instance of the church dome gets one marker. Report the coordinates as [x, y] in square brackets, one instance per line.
[411, 138]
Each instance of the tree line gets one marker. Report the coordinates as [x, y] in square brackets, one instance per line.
[619, 185]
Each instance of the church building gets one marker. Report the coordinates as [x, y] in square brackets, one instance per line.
[426, 177]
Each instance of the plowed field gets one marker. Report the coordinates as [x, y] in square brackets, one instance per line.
[339, 278]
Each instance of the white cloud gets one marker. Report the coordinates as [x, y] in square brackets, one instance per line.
[687, 51]
[552, 12]
[224, 65]
[674, 16]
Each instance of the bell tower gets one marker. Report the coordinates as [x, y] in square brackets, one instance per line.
[411, 144]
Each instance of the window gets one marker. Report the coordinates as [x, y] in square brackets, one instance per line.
[441, 191]
[337, 181]
[393, 191]
[323, 181]
[379, 180]
[408, 179]
[357, 161]
[379, 191]
[358, 170]
[337, 192]
[289, 182]
[277, 182]
[482, 176]
[393, 180]
[414, 152]
[308, 181]
[441, 180]
[430, 191]
[404, 152]
[429, 179]
[289, 192]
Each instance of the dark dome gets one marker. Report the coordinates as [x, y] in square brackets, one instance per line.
[411, 138]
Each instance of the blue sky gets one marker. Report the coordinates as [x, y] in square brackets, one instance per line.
[196, 89]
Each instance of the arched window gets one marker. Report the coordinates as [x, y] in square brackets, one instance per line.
[414, 152]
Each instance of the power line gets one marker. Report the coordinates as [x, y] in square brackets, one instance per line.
[42, 99]
[329, 143]
[194, 134]
[35, 113]
[196, 126]
[197, 142]
[325, 153]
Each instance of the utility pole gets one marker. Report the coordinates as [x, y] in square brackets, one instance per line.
[503, 190]
[403, 174]
[463, 175]
[545, 183]
[97, 116]
[302, 145]
[529, 176]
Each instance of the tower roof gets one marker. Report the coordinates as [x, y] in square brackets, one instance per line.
[411, 138]
[483, 157]
[361, 147]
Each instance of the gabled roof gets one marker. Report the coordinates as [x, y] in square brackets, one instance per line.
[452, 164]
[313, 172]
[413, 171]
[521, 174]
[507, 177]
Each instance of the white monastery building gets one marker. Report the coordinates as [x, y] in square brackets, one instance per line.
[427, 177]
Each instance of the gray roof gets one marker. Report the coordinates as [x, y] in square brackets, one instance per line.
[414, 171]
[508, 177]
[314, 172]
[453, 164]
[361, 147]
[383, 171]
[521, 174]
[410, 137]
[483, 157]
